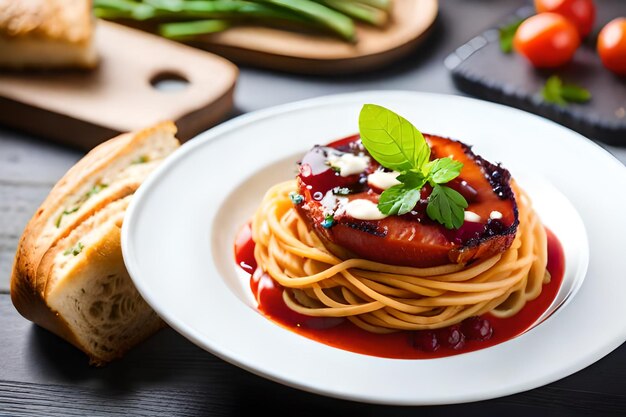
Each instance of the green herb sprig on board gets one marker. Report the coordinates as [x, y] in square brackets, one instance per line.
[557, 92]
[397, 145]
[506, 34]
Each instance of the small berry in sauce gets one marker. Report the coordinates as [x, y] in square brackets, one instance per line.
[477, 328]
[451, 337]
[425, 340]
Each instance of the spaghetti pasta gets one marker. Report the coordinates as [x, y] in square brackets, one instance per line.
[383, 298]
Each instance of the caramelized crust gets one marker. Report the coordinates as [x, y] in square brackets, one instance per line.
[413, 239]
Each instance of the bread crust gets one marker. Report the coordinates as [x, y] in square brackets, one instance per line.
[30, 275]
[101, 259]
[69, 21]
[47, 34]
[35, 309]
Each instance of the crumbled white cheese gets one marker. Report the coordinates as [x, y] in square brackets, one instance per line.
[470, 216]
[495, 215]
[348, 163]
[383, 180]
[364, 210]
[333, 205]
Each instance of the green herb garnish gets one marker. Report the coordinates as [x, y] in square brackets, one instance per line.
[334, 168]
[397, 145]
[296, 198]
[555, 91]
[446, 206]
[507, 33]
[78, 248]
[341, 191]
[65, 213]
[94, 190]
[140, 160]
[328, 221]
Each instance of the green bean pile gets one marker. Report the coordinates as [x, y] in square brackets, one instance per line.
[185, 19]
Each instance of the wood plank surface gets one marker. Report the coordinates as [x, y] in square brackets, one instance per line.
[168, 376]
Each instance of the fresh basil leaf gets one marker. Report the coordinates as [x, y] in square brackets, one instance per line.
[392, 140]
[555, 91]
[507, 33]
[412, 179]
[575, 94]
[398, 200]
[396, 144]
[446, 206]
[444, 170]
[551, 91]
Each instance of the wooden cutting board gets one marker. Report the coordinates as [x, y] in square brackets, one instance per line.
[481, 69]
[84, 108]
[308, 53]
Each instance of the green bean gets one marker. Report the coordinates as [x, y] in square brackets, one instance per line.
[325, 16]
[116, 9]
[379, 4]
[359, 11]
[336, 16]
[182, 30]
[224, 9]
[219, 8]
[121, 5]
[110, 14]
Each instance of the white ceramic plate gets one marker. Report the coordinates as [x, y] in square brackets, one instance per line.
[179, 232]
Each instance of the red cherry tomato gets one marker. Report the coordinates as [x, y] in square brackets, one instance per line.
[547, 40]
[582, 13]
[612, 45]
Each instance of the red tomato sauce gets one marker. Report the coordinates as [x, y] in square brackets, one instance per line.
[342, 334]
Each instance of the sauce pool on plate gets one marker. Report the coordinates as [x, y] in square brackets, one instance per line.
[470, 335]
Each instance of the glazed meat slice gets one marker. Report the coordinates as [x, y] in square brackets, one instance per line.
[333, 177]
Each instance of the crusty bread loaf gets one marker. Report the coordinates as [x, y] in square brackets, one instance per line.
[47, 34]
[68, 273]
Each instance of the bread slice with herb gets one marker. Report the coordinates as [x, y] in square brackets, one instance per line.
[47, 34]
[68, 273]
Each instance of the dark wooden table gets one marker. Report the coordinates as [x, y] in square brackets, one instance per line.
[168, 375]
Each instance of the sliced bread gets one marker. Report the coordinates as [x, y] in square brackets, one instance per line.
[47, 34]
[68, 273]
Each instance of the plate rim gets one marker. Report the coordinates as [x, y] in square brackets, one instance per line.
[279, 110]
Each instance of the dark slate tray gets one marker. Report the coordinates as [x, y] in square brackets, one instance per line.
[481, 69]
